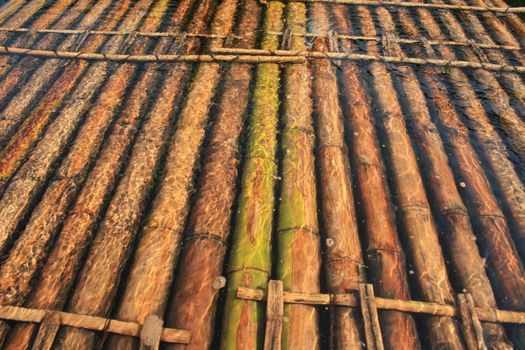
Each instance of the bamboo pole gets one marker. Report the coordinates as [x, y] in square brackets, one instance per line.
[18, 196]
[32, 245]
[384, 254]
[14, 313]
[20, 144]
[197, 284]
[250, 255]
[76, 232]
[9, 8]
[163, 228]
[515, 23]
[441, 6]
[504, 265]
[505, 99]
[413, 208]
[411, 306]
[15, 95]
[299, 259]
[344, 263]
[459, 239]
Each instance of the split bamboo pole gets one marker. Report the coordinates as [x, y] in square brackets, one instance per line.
[18, 196]
[384, 255]
[504, 265]
[298, 252]
[197, 284]
[509, 121]
[76, 232]
[344, 263]
[412, 203]
[163, 228]
[112, 246]
[31, 247]
[250, 256]
[458, 237]
[30, 76]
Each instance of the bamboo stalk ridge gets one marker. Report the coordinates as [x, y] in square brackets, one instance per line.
[9, 8]
[120, 225]
[344, 262]
[77, 228]
[298, 251]
[513, 21]
[32, 246]
[26, 137]
[16, 94]
[163, 228]
[250, 256]
[196, 289]
[459, 238]
[383, 249]
[413, 208]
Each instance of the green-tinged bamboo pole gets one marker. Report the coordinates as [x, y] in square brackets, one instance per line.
[250, 256]
[418, 227]
[299, 259]
[159, 245]
[504, 265]
[20, 144]
[344, 264]
[384, 255]
[30, 76]
[31, 247]
[76, 232]
[458, 236]
[197, 283]
[18, 195]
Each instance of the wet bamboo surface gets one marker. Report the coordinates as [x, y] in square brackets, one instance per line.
[130, 189]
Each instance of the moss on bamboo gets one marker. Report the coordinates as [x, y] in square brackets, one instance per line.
[250, 257]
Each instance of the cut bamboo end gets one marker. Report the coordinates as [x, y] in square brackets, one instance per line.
[410, 306]
[52, 319]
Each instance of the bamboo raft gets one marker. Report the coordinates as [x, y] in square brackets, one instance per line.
[247, 174]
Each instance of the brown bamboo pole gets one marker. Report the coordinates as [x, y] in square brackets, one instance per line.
[38, 74]
[459, 238]
[18, 196]
[17, 13]
[9, 8]
[299, 259]
[170, 207]
[384, 255]
[413, 208]
[514, 22]
[119, 227]
[32, 245]
[76, 232]
[201, 263]
[504, 265]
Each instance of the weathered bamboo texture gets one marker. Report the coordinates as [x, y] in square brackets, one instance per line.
[458, 237]
[504, 265]
[384, 255]
[193, 301]
[37, 169]
[20, 144]
[250, 256]
[159, 245]
[21, 14]
[412, 203]
[47, 19]
[112, 246]
[344, 263]
[76, 231]
[512, 20]
[299, 259]
[9, 8]
[31, 248]
[502, 106]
